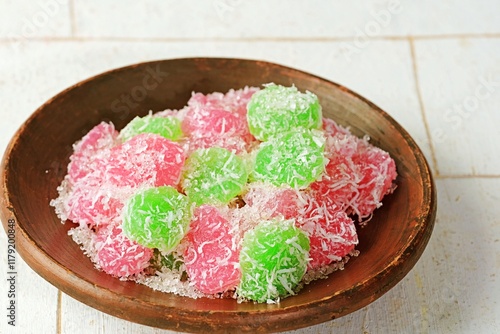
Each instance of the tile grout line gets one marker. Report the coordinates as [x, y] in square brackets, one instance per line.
[467, 176]
[59, 313]
[73, 37]
[421, 103]
[72, 17]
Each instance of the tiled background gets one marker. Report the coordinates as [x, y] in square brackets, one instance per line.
[433, 65]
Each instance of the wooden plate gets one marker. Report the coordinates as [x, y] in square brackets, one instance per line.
[36, 159]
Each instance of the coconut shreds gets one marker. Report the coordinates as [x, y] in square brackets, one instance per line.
[170, 281]
[310, 183]
[85, 237]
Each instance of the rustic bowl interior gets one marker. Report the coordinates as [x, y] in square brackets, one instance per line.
[35, 163]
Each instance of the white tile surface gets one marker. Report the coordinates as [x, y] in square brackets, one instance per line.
[366, 72]
[460, 83]
[454, 287]
[435, 297]
[215, 18]
[434, 18]
[89, 320]
[465, 258]
[35, 298]
[22, 20]
[282, 18]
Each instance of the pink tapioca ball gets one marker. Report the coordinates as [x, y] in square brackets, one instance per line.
[339, 182]
[103, 136]
[358, 174]
[270, 201]
[341, 144]
[212, 257]
[119, 256]
[206, 121]
[331, 128]
[92, 205]
[145, 159]
[240, 98]
[234, 100]
[264, 202]
[210, 100]
[377, 172]
[331, 232]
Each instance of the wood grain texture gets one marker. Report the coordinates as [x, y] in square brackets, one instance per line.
[30, 177]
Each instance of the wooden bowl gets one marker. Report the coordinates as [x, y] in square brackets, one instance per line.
[35, 163]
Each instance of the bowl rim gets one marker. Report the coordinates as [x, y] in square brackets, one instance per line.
[53, 271]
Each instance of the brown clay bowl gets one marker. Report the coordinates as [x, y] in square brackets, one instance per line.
[35, 163]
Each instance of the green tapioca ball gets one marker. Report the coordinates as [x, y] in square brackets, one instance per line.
[293, 158]
[168, 127]
[273, 260]
[157, 218]
[277, 109]
[214, 176]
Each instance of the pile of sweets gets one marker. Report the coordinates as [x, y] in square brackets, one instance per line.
[248, 194]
